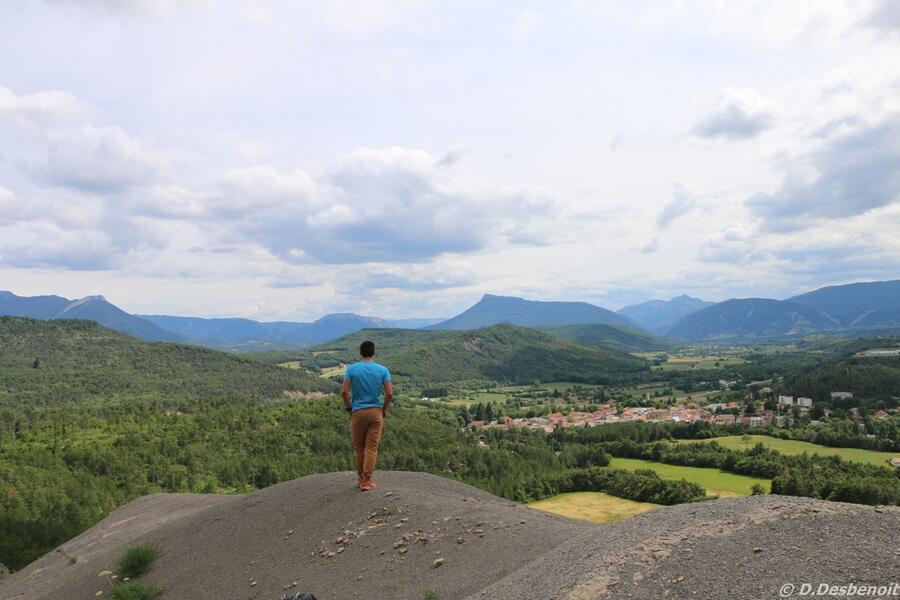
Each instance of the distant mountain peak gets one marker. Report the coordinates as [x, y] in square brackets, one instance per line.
[657, 315]
[87, 299]
[493, 309]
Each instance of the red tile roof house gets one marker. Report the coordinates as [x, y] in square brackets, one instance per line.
[556, 417]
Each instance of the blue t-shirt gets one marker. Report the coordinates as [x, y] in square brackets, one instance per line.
[366, 379]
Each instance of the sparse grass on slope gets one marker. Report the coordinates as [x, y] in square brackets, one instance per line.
[596, 507]
[137, 560]
[134, 590]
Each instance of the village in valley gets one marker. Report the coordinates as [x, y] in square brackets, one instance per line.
[750, 413]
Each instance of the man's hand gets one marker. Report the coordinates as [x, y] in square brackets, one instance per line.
[345, 392]
[388, 398]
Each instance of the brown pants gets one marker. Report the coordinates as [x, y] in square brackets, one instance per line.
[365, 428]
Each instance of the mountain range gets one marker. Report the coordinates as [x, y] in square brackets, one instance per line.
[749, 318]
[834, 310]
[658, 315]
[93, 308]
[247, 334]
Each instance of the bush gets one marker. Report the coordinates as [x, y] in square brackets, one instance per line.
[134, 590]
[137, 560]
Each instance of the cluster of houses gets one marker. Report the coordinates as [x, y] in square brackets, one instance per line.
[721, 413]
[607, 413]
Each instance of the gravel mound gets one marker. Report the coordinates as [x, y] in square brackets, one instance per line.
[420, 536]
[743, 548]
[414, 534]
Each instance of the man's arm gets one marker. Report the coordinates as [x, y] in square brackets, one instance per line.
[388, 396]
[345, 392]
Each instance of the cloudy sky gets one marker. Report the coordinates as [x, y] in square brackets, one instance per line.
[284, 159]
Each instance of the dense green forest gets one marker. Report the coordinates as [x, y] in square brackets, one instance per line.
[618, 337]
[870, 377]
[51, 362]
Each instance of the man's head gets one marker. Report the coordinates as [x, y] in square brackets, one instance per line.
[367, 349]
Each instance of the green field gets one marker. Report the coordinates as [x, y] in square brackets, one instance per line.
[792, 447]
[717, 483]
[549, 386]
[684, 362]
[592, 506]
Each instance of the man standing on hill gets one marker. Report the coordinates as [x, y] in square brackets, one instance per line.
[365, 380]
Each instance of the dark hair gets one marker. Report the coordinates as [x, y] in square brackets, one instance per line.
[367, 349]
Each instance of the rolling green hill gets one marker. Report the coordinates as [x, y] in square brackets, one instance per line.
[346, 349]
[387, 342]
[618, 337]
[509, 354]
[52, 362]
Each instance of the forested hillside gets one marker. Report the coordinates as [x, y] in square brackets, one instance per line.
[875, 378]
[502, 353]
[618, 337]
[49, 362]
[507, 353]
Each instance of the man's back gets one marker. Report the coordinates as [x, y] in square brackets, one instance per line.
[366, 380]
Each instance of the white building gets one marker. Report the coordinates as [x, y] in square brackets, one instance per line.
[804, 402]
[785, 400]
[841, 395]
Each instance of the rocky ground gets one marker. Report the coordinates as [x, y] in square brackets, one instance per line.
[743, 548]
[424, 537]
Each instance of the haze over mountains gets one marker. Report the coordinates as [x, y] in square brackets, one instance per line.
[237, 332]
[844, 309]
[658, 315]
